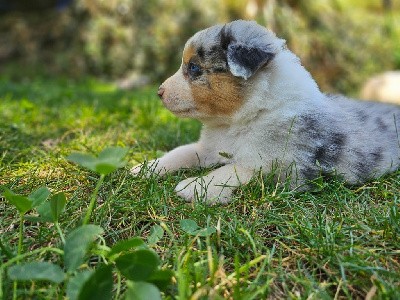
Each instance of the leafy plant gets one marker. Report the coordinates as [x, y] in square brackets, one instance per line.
[106, 162]
[23, 204]
[131, 258]
[191, 227]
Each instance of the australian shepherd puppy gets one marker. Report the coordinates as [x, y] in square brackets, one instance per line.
[263, 111]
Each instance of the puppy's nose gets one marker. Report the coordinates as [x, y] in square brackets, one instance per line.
[161, 91]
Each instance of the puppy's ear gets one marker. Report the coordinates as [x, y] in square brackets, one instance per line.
[244, 60]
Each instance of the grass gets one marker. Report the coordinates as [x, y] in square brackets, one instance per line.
[338, 242]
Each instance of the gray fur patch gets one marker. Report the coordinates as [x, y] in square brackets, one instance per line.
[381, 125]
[323, 147]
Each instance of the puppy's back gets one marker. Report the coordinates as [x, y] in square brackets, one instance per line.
[356, 139]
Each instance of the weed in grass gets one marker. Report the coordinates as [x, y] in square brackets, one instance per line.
[131, 258]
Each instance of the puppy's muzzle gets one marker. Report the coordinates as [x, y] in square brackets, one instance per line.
[161, 91]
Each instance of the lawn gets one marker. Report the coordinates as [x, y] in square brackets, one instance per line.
[334, 242]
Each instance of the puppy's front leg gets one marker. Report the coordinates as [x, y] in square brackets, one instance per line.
[186, 156]
[216, 187]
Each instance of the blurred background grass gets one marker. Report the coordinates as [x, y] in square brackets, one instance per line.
[341, 42]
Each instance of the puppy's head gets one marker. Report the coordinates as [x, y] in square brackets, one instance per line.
[218, 66]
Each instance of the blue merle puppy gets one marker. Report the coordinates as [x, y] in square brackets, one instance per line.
[262, 110]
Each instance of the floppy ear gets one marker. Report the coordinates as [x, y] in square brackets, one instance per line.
[244, 60]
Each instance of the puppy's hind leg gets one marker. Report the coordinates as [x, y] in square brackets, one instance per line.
[216, 187]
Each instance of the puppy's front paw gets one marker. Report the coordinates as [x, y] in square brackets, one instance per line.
[187, 189]
[147, 169]
[136, 170]
[199, 189]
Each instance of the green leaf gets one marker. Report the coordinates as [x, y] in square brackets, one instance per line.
[84, 160]
[44, 211]
[77, 244]
[22, 203]
[36, 271]
[114, 156]
[138, 265]
[161, 278]
[57, 205]
[156, 233]
[39, 196]
[108, 160]
[105, 168]
[111, 159]
[98, 286]
[126, 245]
[51, 210]
[142, 291]
[189, 226]
[205, 231]
[75, 284]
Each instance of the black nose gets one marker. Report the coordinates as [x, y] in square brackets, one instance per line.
[160, 91]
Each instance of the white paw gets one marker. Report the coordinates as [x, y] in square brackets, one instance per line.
[187, 189]
[148, 169]
[136, 170]
[199, 189]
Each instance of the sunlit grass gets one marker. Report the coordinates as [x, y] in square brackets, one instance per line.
[339, 242]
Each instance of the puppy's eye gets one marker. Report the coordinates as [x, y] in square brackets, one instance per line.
[194, 70]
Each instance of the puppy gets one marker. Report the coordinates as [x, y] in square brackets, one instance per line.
[262, 110]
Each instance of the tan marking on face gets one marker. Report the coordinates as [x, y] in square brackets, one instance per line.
[209, 95]
[222, 97]
[177, 96]
[188, 53]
